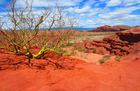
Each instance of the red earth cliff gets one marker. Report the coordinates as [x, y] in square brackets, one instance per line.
[122, 43]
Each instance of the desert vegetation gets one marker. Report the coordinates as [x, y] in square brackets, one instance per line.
[41, 50]
[25, 32]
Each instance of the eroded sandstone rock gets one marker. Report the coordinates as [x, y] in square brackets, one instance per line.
[122, 43]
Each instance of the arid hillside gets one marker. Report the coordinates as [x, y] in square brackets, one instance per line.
[109, 63]
[116, 28]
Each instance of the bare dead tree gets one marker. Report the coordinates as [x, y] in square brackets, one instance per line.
[23, 19]
[26, 27]
[72, 22]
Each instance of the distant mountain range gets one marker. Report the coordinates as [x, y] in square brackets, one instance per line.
[104, 28]
[76, 28]
[108, 28]
[84, 29]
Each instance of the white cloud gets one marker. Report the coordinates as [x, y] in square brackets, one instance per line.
[90, 2]
[130, 2]
[120, 12]
[91, 14]
[46, 3]
[79, 10]
[94, 17]
[114, 3]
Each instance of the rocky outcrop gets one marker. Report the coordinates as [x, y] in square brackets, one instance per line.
[107, 28]
[122, 43]
[131, 36]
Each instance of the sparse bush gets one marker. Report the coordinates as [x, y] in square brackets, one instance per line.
[25, 32]
[69, 44]
[104, 59]
[80, 48]
[118, 58]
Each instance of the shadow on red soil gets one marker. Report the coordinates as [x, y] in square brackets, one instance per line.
[50, 59]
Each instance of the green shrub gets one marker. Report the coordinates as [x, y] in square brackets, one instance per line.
[69, 44]
[118, 58]
[79, 48]
[104, 59]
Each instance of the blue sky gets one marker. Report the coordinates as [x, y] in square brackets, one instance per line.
[92, 13]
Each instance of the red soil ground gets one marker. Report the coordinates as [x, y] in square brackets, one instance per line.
[111, 76]
[62, 73]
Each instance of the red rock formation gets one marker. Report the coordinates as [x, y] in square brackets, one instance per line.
[132, 35]
[107, 28]
[123, 43]
[121, 27]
